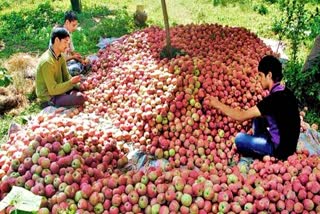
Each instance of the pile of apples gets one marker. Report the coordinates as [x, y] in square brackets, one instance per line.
[160, 106]
[304, 125]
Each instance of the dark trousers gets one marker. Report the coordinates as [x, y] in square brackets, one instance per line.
[69, 99]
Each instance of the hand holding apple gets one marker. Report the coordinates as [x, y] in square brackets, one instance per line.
[75, 79]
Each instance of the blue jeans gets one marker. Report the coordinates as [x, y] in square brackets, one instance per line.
[258, 144]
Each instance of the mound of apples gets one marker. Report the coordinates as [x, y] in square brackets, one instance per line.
[160, 107]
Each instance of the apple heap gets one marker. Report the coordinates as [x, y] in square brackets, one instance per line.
[160, 106]
[304, 125]
[163, 104]
[59, 153]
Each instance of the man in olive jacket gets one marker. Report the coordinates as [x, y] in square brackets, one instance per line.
[53, 81]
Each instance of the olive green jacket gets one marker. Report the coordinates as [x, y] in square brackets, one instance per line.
[52, 77]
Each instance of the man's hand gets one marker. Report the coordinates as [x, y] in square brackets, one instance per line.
[77, 56]
[75, 79]
[214, 102]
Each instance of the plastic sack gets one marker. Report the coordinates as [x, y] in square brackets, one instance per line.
[158, 163]
[21, 199]
[136, 160]
[310, 140]
[104, 42]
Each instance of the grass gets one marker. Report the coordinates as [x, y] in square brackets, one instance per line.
[25, 25]
[33, 38]
[189, 11]
[31, 28]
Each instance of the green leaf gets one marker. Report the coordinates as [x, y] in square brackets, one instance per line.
[21, 212]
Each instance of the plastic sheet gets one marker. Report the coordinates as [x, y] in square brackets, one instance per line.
[104, 42]
[310, 140]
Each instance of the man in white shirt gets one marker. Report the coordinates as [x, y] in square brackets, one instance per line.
[75, 62]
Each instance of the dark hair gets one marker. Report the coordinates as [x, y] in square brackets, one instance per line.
[59, 32]
[70, 16]
[271, 64]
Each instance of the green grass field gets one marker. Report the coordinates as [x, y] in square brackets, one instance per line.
[33, 38]
[25, 25]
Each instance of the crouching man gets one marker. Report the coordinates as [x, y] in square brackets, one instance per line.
[276, 123]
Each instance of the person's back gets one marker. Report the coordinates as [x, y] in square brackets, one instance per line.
[280, 108]
[284, 109]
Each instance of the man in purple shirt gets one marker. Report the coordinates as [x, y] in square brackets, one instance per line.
[276, 123]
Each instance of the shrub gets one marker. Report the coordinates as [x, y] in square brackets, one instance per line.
[315, 23]
[293, 24]
[312, 116]
[271, 1]
[261, 9]
[28, 28]
[305, 84]
[226, 2]
[4, 4]
[219, 2]
[28, 23]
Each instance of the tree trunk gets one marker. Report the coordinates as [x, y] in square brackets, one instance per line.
[76, 5]
[314, 55]
[166, 24]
